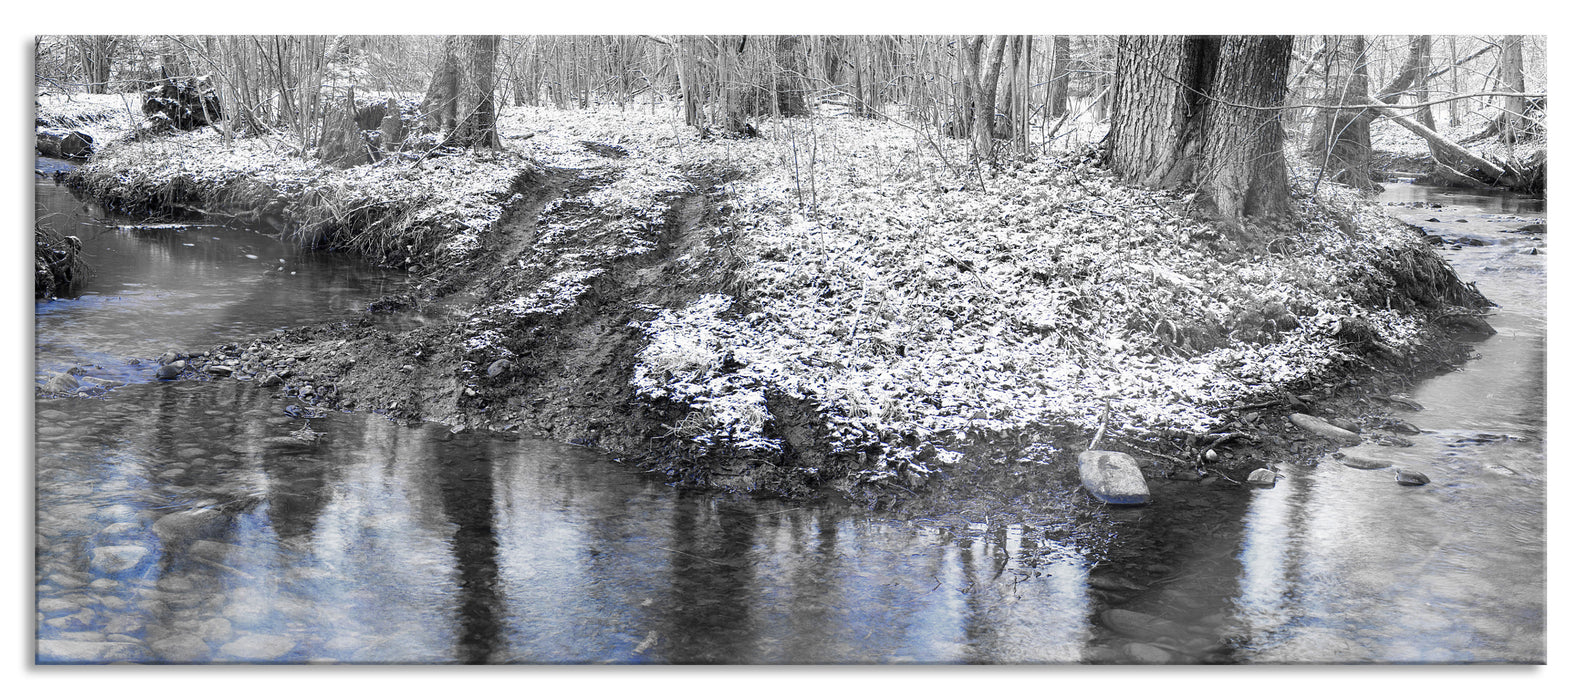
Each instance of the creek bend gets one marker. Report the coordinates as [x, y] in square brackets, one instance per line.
[379, 543]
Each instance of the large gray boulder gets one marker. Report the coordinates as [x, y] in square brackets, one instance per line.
[1113, 477]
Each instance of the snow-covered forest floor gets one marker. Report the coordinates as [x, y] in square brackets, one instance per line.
[916, 301]
[106, 118]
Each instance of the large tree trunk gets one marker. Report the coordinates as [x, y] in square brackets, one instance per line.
[1341, 142]
[790, 93]
[460, 98]
[1512, 121]
[1178, 120]
[1060, 85]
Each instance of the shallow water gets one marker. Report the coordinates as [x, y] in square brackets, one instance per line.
[183, 522]
[162, 287]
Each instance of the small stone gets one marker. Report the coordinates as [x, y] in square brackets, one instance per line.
[1147, 653]
[174, 584]
[1111, 582]
[1262, 477]
[498, 367]
[1408, 477]
[270, 379]
[56, 606]
[1139, 625]
[63, 651]
[116, 559]
[215, 551]
[65, 580]
[219, 370]
[1357, 460]
[120, 513]
[1346, 424]
[259, 647]
[61, 384]
[188, 525]
[216, 630]
[167, 372]
[114, 530]
[169, 357]
[181, 649]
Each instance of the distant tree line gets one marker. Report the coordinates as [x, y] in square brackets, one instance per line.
[1166, 99]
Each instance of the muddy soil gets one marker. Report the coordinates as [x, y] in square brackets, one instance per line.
[563, 373]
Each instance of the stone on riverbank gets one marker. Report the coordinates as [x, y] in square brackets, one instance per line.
[1262, 477]
[1325, 429]
[1113, 477]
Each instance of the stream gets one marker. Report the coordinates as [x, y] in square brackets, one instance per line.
[180, 522]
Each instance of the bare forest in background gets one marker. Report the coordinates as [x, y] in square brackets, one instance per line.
[1017, 93]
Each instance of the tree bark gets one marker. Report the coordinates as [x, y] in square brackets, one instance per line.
[1060, 86]
[1177, 122]
[97, 53]
[1513, 121]
[342, 144]
[460, 98]
[1421, 59]
[1341, 142]
[790, 93]
[983, 99]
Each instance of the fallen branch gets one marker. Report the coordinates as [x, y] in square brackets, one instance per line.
[1494, 174]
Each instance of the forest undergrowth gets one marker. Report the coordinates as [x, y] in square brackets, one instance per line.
[915, 301]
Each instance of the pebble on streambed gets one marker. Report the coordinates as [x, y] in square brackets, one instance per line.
[1408, 477]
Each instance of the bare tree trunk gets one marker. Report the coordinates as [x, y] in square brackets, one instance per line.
[1178, 119]
[1454, 107]
[460, 98]
[342, 142]
[1421, 60]
[1341, 141]
[1060, 85]
[985, 85]
[97, 54]
[1513, 120]
[790, 93]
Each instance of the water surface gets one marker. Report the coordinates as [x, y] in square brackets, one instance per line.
[196, 522]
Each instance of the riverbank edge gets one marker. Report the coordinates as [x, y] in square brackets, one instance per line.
[629, 429]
